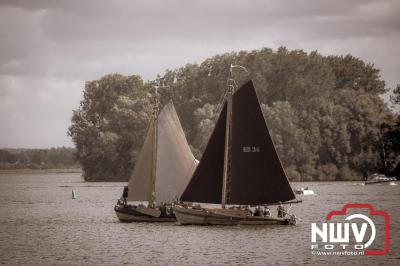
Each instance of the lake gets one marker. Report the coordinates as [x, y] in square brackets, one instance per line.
[41, 225]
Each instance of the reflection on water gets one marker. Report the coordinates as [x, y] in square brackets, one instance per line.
[40, 224]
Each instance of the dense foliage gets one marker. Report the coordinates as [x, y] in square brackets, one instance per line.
[109, 126]
[391, 140]
[325, 114]
[38, 158]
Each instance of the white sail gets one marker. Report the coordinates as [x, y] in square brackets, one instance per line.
[175, 162]
[140, 182]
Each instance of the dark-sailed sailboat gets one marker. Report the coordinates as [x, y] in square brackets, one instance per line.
[239, 167]
[162, 171]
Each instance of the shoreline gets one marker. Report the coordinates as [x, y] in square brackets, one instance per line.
[79, 170]
[41, 171]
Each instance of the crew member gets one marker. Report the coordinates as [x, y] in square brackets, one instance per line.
[281, 210]
[163, 209]
[248, 210]
[267, 211]
[125, 194]
[258, 211]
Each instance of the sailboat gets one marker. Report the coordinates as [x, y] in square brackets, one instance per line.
[239, 167]
[162, 171]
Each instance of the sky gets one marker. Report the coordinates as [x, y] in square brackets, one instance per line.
[49, 48]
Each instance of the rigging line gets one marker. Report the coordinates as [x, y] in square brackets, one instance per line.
[219, 106]
[223, 98]
[230, 83]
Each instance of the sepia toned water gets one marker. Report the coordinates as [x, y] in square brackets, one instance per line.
[41, 225]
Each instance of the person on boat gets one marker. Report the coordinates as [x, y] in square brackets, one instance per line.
[267, 211]
[258, 211]
[281, 210]
[163, 209]
[262, 209]
[152, 204]
[176, 201]
[248, 210]
[169, 211]
[125, 195]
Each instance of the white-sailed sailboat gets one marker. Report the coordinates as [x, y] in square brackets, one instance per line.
[162, 171]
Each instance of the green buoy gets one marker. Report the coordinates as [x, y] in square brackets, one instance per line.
[73, 194]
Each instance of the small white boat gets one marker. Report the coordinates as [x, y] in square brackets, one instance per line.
[304, 191]
[380, 178]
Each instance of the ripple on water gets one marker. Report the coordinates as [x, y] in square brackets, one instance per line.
[41, 225]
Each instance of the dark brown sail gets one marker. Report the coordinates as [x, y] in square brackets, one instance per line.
[256, 173]
[206, 183]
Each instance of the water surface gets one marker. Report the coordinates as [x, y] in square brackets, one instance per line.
[41, 225]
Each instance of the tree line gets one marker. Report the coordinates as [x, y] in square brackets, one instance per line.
[325, 113]
[53, 158]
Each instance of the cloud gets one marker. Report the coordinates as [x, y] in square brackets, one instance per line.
[35, 112]
[50, 47]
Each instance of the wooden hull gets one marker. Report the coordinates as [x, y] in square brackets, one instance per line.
[254, 220]
[186, 216]
[202, 217]
[128, 214]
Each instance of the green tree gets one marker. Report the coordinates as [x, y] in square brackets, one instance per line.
[391, 139]
[109, 126]
[395, 98]
[325, 114]
[289, 140]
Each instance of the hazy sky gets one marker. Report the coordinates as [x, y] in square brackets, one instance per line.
[49, 48]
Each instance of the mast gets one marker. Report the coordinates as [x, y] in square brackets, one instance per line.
[228, 129]
[225, 181]
[155, 144]
[154, 153]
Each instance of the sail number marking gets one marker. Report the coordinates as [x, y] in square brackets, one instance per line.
[251, 149]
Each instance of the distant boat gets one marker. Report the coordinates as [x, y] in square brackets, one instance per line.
[239, 167]
[304, 191]
[379, 178]
[162, 171]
